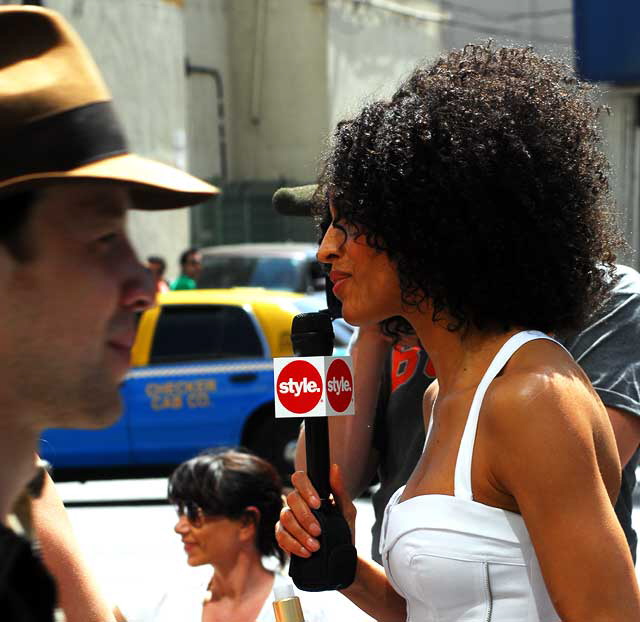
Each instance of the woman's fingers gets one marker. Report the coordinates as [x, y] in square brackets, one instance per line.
[297, 529]
[305, 489]
[293, 537]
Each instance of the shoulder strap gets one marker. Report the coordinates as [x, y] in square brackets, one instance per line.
[462, 482]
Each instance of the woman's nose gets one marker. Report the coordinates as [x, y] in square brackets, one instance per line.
[182, 525]
[331, 245]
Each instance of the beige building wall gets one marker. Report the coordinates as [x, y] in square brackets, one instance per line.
[209, 109]
[279, 87]
[372, 49]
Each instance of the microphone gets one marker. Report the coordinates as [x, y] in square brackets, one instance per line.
[295, 201]
[333, 566]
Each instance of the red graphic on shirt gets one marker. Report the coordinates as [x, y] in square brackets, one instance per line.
[339, 385]
[404, 364]
[299, 387]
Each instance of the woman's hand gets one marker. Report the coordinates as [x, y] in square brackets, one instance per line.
[297, 530]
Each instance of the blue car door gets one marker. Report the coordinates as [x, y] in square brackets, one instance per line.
[208, 371]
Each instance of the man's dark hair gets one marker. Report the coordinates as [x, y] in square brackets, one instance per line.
[158, 260]
[185, 255]
[483, 180]
[226, 482]
[14, 214]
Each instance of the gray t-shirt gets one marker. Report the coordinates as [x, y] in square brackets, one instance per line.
[608, 350]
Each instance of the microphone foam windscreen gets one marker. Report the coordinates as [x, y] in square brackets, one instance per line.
[296, 201]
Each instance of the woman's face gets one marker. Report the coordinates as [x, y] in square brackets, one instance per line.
[364, 278]
[210, 539]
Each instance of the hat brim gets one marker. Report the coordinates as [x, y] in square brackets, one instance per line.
[154, 185]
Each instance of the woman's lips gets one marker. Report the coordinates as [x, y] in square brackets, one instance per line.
[338, 278]
[188, 546]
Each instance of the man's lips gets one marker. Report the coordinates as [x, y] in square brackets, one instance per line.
[123, 342]
[122, 347]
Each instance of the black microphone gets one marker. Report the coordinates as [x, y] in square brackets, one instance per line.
[333, 566]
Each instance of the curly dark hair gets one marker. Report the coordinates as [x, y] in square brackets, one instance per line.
[483, 179]
[224, 482]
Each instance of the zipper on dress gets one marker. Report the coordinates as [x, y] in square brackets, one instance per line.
[488, 594]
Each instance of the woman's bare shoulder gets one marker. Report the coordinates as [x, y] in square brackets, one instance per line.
[545, 411]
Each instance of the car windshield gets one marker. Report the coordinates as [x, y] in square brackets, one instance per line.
[282, 273]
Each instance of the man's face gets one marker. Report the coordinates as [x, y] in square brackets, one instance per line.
[67, 315]
[193, 265]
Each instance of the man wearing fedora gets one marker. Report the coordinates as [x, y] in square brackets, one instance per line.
[67, 181]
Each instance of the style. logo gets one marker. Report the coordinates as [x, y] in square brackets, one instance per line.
[299, 386]
[339, 385]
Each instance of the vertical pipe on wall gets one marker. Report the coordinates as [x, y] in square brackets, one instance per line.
[257, 64]
[222, 134]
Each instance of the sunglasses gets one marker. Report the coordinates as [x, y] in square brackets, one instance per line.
[194, 513]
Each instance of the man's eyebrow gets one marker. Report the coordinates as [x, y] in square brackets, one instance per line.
[104, 206]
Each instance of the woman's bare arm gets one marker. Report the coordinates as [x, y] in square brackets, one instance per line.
[556, 455]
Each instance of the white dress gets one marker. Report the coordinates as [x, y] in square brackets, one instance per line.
[454, 559]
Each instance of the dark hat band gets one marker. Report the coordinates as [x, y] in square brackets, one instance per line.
[63, 142]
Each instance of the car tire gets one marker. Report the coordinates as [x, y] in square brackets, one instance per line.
[274, 440]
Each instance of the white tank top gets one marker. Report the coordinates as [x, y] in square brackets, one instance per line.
[453, 558]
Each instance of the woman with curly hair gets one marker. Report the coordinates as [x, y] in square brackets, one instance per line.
[475, 205]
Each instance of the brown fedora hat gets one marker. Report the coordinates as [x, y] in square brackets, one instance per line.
[57, 121]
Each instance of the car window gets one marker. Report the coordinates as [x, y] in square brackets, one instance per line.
[283, 273]
[204, 332]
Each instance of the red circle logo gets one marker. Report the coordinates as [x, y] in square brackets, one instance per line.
[299, 387]
[339, 385]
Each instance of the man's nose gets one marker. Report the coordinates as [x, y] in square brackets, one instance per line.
[139, 289]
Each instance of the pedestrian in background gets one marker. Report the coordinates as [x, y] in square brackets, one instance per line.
[227, 503]
[157, 265]
[190, 268]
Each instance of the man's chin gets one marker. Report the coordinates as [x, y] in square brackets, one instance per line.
[101, 413]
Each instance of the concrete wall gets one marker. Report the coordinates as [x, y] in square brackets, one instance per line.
[277, 52]
[209, 109]
[371, 50]
[622, 145]
[545, 24]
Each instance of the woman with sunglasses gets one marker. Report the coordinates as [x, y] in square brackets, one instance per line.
[227, 503]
